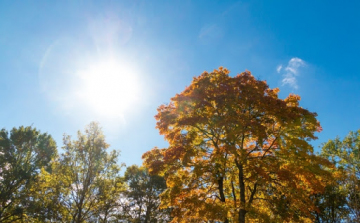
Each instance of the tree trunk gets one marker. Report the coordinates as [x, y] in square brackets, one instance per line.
[222, 195]
[242, 214]
[147, 215]
[242, 211]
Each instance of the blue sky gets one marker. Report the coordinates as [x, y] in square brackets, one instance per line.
[53, 54]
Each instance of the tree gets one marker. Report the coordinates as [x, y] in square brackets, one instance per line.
[236, 152]
[23, 152]
[345, 155]
[85, 183]
[141, 199]
[331, 203]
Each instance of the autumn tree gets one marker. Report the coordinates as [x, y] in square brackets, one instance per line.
[237, 152]
[23, 153]
[345, 154]
[141, 198]
[85, 183]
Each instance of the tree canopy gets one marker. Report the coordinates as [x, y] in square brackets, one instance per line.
[236, 152]
[23, 153]
[345, 154]
[142, 196]
[85, 182]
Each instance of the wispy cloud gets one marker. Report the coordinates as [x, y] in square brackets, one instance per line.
[291, 71]
[210, 33]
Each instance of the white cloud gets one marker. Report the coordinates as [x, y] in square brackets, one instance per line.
[291, 71]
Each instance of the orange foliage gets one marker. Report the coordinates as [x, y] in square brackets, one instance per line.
[236, 152]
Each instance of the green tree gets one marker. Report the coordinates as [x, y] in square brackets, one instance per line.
[345, 155]
[23, 153]
[237, 152]
[48, 196]
[85, 183]
[141, 199]
[331, 203]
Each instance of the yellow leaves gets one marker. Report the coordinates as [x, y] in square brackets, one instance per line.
[153, 160]
[233, 143]
[293, 100]
[223, 70]
[273, 92]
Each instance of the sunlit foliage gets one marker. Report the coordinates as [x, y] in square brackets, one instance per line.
[345, 154]
[85, 182]
[23, 152]
[237, 152]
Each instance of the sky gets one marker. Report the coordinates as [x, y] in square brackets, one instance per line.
[64, 64]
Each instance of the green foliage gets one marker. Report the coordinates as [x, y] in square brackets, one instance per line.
[85, 182]
[345, 155]
[331, 204]
[23, 153]
[81, 185]
[141, 199]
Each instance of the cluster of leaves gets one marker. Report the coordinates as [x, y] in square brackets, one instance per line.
[238, 153]
[81, 185]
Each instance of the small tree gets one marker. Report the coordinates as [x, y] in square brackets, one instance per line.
[331, 203]
[345, 155]
[141, 199]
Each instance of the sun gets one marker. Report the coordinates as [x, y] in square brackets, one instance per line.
[109, 87]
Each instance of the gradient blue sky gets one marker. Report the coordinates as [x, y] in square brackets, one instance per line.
[49, 50]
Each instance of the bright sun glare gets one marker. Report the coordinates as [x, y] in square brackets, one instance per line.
[109, 87]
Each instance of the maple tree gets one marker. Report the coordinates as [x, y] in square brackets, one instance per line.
[237, 152]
